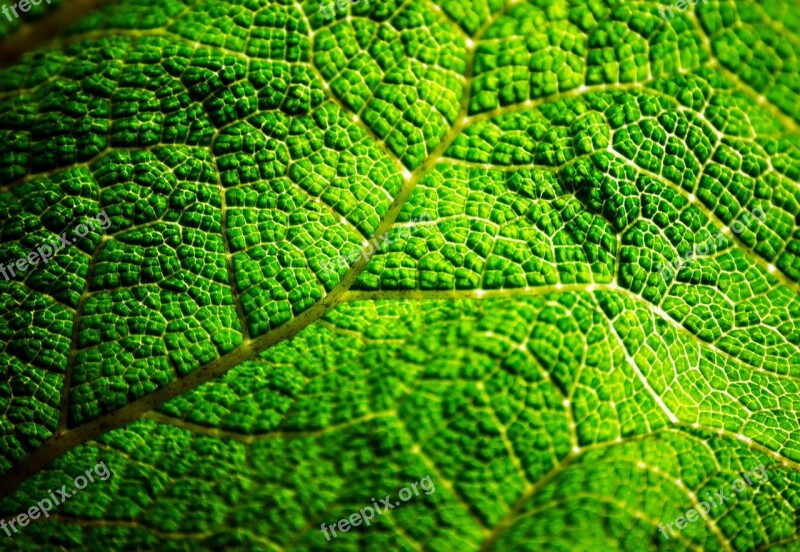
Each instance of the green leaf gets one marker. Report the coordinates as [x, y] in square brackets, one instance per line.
[544, 253]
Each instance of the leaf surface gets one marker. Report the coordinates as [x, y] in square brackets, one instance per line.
[523, 172]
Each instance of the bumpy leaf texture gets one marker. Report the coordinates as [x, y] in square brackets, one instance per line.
[536, 165]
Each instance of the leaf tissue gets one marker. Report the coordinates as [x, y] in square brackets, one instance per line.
[519, 275]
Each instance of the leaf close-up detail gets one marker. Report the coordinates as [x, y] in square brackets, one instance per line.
[269, 262]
